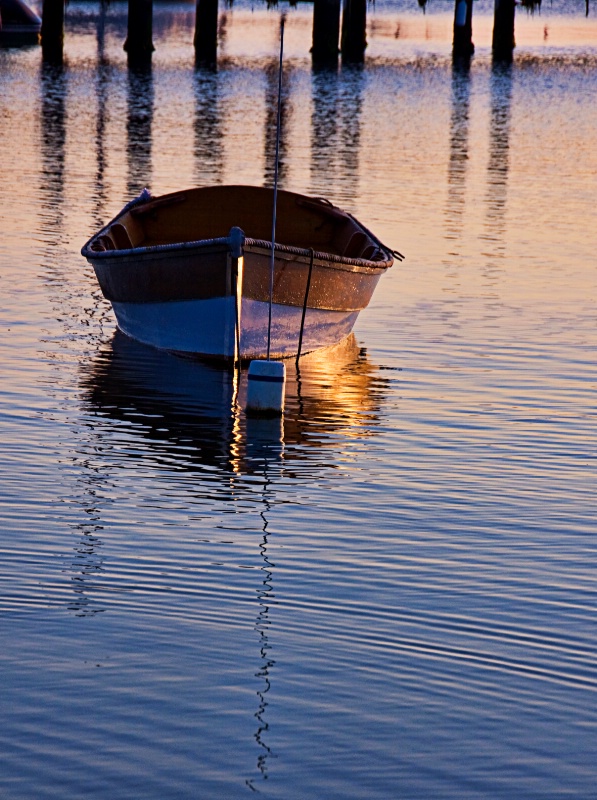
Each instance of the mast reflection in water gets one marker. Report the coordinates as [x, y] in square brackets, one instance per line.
[266, 599]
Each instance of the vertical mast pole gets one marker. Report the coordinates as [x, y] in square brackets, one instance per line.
[278, 123]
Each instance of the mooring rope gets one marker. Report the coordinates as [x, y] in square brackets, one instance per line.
[300, 341]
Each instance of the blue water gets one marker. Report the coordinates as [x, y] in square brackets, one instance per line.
[392, 592]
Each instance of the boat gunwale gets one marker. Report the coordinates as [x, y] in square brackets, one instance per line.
[224, 241]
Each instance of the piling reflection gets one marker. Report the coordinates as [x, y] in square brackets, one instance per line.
[101, 87]
[208, 135]
[499, 154]
[336, 131]
[271, 114]
[140, 104]
[324, 128]
[53, 88]
[87, 560]
[351, 107]
[459, 145]
[53, 130]
[190, 411]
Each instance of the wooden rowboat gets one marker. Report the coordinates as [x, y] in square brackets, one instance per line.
[189, 272]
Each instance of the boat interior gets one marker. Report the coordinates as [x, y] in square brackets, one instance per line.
[210, 213]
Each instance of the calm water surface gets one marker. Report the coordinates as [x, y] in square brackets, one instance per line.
[392, 593]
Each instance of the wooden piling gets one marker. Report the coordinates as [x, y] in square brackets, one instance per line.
[354, 31]
[206, 32]
[462, 43]
[503, 30]
[139, 38]
[52, 30]
[326, 32]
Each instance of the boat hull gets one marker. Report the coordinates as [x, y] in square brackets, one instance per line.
[187, 301]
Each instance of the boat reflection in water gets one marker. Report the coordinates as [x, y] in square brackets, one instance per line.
[192, 410]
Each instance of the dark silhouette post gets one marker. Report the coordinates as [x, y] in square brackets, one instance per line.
[326, 31]
[354, 27]
[503, 30]
[206, 32]
[462, 43]
[52, 30]
[139, 44]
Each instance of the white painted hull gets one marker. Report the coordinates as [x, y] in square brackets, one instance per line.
[206, 327]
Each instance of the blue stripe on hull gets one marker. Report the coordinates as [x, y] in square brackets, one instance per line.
[206, 327]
